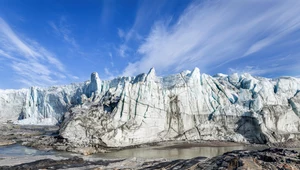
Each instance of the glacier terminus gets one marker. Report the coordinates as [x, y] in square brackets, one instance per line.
[146, 108]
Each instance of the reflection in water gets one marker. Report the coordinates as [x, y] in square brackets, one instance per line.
[19, 150]
[173, 153]
[170, 152]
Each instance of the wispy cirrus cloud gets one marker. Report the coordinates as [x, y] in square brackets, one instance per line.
[121, 33]
[33, 64]
[255, 70]
[287, 65]
[146, 11]
[111, 59]
[63, 30]
[215, 34]
[108, 73]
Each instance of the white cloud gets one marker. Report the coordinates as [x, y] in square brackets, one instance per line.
[121, 33]
[122, 50]
[253, 70]
[33, 64]
[111, 58]
[110, 55]
[256, 70]
[62, 29]
[75, 77]
[108, 73]
[145, 11]
[213, 33]
[4, 54]
[6, 30]
[72, 77]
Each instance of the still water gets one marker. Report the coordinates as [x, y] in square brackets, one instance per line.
[19, 150]
[173, 152]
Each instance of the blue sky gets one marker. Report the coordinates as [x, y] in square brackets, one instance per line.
[47, 42]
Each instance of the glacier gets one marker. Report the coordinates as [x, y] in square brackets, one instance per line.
[147, 108]
[44, 106]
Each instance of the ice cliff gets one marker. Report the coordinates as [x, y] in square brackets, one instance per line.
[186, 106]
[45, 106]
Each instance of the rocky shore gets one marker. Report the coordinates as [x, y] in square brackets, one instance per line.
[271, 158]
[187, 109]
[28, 135]
[46, 138]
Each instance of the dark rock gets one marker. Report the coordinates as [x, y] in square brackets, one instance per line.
[56, 164]
[271, 158]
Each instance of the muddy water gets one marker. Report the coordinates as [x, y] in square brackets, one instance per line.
[175, 152]
[19, 150]
[169, 152]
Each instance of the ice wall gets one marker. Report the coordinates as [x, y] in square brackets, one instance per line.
[45, 106]
[187, 106]
[146, 108]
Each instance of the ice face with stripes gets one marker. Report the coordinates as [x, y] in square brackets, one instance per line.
[147, 108]
[187, 106]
